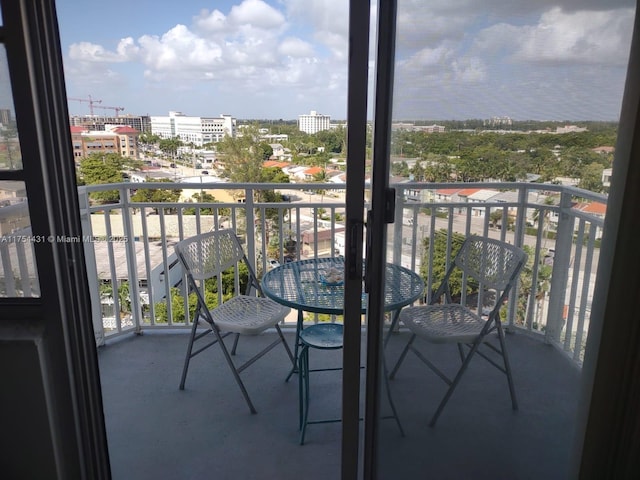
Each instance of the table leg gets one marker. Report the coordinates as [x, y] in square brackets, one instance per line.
[394, 323]
[296, 346]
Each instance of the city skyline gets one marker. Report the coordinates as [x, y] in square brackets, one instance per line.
[552, 60]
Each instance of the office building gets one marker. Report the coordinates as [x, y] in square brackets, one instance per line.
[314, 122]
[196, 130]
[142, 123]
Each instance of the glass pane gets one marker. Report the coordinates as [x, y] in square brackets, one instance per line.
[514, 97]
[10, 156]
[18, 273]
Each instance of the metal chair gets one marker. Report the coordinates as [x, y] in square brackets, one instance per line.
[490, 266]
[207, 256]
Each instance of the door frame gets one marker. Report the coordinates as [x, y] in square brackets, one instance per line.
[52, 333]
[358, 74]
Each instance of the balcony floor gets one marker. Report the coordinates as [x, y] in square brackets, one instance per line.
[155, 431]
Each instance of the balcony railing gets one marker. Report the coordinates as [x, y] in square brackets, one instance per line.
[133, 271]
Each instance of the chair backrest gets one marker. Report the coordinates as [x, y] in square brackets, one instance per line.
[495, 264]
[208, 254]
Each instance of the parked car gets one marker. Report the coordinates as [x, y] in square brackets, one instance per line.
[172, 165]
[204, 172]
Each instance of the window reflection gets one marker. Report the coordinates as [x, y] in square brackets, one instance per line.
[10, 155]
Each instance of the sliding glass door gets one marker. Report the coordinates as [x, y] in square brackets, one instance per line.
[472, 103]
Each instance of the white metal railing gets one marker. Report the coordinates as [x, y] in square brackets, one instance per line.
[18, 273]
[133, 242]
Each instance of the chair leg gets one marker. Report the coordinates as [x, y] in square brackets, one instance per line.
[236, 375]
[394, 323]
[455, 381]
[389, 397]
[235, 343]
[187, 359]
[507, 367]
[296, 346]
[286, 345]
[402, 356]
[303, 391]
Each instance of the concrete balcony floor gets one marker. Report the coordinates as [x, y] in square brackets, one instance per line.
[155, 431]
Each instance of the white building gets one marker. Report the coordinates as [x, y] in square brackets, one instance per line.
[314, 122]
[606, 177]
[196, 130]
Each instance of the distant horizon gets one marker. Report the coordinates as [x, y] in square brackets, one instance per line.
[339, 120]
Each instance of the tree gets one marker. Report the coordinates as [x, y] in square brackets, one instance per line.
[591, 178]
[332, 140]
[210, 295]
[148, 138]
[170, 146]
[439, 266]
[11, 151]
[102, 168]
[156, 195]
[243, 157]
[206, 198]
[265, 150]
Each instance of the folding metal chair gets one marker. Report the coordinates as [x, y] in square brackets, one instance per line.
[487, 265]
[207, 256]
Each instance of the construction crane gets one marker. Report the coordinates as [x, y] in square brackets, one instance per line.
[116, 109]
[90, 101]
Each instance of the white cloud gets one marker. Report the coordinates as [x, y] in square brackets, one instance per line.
[328, 20]
[257, 14]
[469, 70]
[214, 21]
[578, 37]
[295, 47]
[87, 51]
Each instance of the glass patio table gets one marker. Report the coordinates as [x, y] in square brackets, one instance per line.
[316, 285]
[305, 286]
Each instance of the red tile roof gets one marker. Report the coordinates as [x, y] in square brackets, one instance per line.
[468, 191]
[596, 208]
[78, 129]
[124, 130]
[274, 163]
[313, 170]
[448, 191]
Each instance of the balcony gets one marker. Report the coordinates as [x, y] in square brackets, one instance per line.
[157, 431]
[206, 431]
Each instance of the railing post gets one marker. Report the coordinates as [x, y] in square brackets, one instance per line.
[132, 263]
[560, 273]
[91, 266]
[518, 241]
[397, 226]
[251, 228]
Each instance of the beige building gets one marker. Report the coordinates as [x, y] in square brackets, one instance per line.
[122, 140]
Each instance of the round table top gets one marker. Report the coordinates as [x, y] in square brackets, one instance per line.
[303, 285]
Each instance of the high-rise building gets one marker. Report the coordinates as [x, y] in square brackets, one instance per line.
[5, 116]
[196, 130]
[314, 122]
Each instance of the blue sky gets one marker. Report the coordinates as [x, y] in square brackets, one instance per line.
[456, 59]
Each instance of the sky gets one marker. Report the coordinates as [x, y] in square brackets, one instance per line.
[276, 59]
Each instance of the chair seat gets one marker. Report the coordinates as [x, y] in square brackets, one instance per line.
[447, 323]
[323, 335]
[248, 315]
